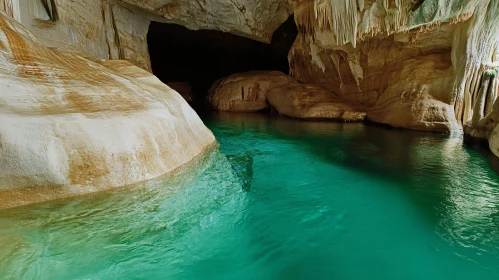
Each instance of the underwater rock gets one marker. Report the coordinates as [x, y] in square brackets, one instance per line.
[243, 166]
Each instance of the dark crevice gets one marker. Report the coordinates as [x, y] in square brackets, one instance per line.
[200, 57]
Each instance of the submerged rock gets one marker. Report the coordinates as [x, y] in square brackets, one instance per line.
[73, 125]
[243, 167]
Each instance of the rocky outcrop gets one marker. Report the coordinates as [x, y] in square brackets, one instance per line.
[245, 92]
[260, 90]
[413, 64]
[73, 125]
[312, 102]
[97, 28]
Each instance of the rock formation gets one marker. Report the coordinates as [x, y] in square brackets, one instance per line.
[419, 64]
[413, 64]
[72, 125]
[260, 90]
[117, 29]
[312, 102]
[245, 92]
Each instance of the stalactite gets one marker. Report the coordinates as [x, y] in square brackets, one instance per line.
[351, 20]
[50, 8]
[475, 87]
[491, 95]
[473, 52]
[479, 101]
[336, 60]
[11, 8]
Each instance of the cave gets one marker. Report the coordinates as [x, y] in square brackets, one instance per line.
[200, 57]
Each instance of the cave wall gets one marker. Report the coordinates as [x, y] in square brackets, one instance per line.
[253, 19]
[410, 63]
[201, 57]
[117, 29]
[425, 64]
[96, 28]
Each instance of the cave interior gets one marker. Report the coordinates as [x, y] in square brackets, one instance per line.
[200, 57]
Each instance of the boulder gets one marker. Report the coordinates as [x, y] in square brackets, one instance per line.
[245, 92]
[72, 125]
[260, 90]
[312, 102]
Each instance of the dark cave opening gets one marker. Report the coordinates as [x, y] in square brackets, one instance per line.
[200, 57]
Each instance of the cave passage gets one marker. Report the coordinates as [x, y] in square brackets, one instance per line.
[200, 57]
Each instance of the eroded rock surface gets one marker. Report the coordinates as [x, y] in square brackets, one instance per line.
[73, 125]
[258, 90]
[413, 64]
[246, 92]
[312, 102]
[117, 29]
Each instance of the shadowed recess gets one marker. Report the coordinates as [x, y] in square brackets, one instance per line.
[200, 57]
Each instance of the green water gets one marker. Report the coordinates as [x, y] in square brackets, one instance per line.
[291, 200]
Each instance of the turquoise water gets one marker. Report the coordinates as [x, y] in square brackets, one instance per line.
[285, 200]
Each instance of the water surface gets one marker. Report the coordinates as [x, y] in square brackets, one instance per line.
[285, 200]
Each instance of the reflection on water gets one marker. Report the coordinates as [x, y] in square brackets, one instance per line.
[452, 185]
[288, 200]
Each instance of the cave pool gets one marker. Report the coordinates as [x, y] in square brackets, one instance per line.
[284, 199]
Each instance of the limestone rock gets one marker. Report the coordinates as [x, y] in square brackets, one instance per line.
[117, 29]
[488, 127]
[99, 29]
[245, 92]
[252, 19]
[412, 64]
[72, 125]
[258, 90]
[415, 64]
[311, 102]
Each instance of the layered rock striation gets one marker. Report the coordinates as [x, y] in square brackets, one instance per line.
[72, 125]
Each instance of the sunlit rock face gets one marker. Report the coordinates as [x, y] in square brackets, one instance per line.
[73, 125]
[412, 64]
